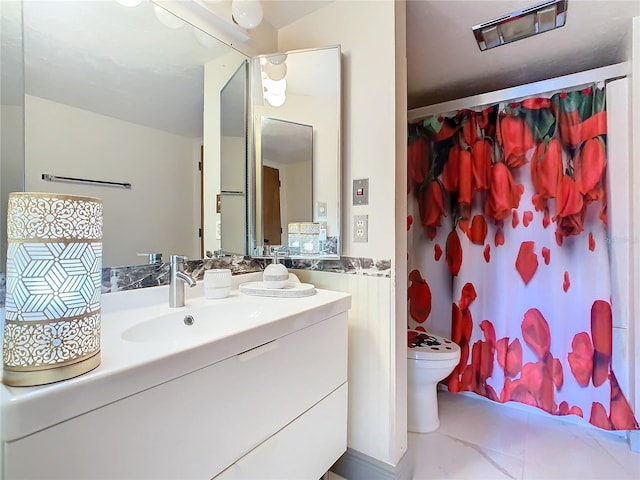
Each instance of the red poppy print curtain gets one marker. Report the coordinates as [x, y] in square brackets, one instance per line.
[508, 254]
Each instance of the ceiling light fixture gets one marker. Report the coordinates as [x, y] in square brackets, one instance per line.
[521, 24]
[247, 13]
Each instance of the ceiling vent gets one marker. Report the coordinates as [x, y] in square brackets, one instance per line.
[521, 24]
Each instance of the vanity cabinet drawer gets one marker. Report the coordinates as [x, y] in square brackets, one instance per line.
[197, 425]
[294, 454]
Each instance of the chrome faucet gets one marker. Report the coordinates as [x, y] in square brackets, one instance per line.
[176, 280]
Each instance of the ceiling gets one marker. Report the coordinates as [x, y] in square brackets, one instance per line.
[445, 63]
[280, 13]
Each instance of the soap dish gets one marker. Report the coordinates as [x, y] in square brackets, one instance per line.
[289, 290]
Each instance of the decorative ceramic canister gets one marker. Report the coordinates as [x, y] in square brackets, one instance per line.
[54, 264]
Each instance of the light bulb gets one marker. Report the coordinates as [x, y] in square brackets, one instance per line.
[277, 59]
[167, 18]
[247, 13]
[275, 87]
[275, 100]
[275, 72]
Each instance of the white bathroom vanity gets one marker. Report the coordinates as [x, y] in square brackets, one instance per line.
[255, 387]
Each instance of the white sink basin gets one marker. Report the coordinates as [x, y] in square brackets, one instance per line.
[196, 323]
[144, 343]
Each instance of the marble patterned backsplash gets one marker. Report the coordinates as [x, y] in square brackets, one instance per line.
[115, 279]
[140, 276]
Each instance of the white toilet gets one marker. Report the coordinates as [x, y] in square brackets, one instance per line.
[430, 359]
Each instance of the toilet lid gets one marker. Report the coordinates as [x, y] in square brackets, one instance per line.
[426, 346]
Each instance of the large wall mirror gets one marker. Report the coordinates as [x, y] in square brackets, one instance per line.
[131, 95]
[138, 96]
[296, 121]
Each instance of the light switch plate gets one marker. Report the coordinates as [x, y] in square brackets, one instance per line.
[361, 191]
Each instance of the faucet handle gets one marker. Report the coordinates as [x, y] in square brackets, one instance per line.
[175, 259]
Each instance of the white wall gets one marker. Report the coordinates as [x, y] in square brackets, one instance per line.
[156, 214]
[12, 154]
[372, 138]
[619, 189]
[400, 258]
[635, 209]
[11, 114]
[295, 195]
[368, 108]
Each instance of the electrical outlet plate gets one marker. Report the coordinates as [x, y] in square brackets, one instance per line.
[361, 228]
[321, 209]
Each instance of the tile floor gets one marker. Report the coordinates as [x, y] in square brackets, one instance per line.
[479, 440]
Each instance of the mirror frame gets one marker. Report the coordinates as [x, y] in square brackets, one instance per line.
[255, 158]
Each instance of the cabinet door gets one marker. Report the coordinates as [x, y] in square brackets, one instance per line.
[304, 449]
[197, 425]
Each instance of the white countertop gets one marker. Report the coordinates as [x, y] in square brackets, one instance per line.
[129, 367]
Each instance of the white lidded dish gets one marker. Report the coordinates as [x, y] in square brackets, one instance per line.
[217, 283]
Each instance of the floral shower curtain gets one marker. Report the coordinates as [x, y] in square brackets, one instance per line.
[508, 254]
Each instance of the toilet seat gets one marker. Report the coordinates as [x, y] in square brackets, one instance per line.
[426, 346]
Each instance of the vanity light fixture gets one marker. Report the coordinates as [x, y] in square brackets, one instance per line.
[521, 24]
[275, 99]
[276, 87]
[219, 15]
[247, 13]
[275, 71]
[274, 83]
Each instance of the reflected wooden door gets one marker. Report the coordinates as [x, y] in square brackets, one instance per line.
[271, 205]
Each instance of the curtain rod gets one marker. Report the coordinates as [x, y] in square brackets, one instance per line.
[567, 81]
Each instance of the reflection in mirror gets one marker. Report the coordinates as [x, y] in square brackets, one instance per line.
[233, 170]
[11, 115]
[300, 87]
[287, 178]
[117, 94]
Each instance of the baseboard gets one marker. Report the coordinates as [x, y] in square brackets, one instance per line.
[354, 465]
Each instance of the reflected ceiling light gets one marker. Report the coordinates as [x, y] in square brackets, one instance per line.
[167, 18]
[129, 3]
[247, 13]
[521, 24]
[275, 72]
[275, 87]
[277, 59]
[275, 100]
